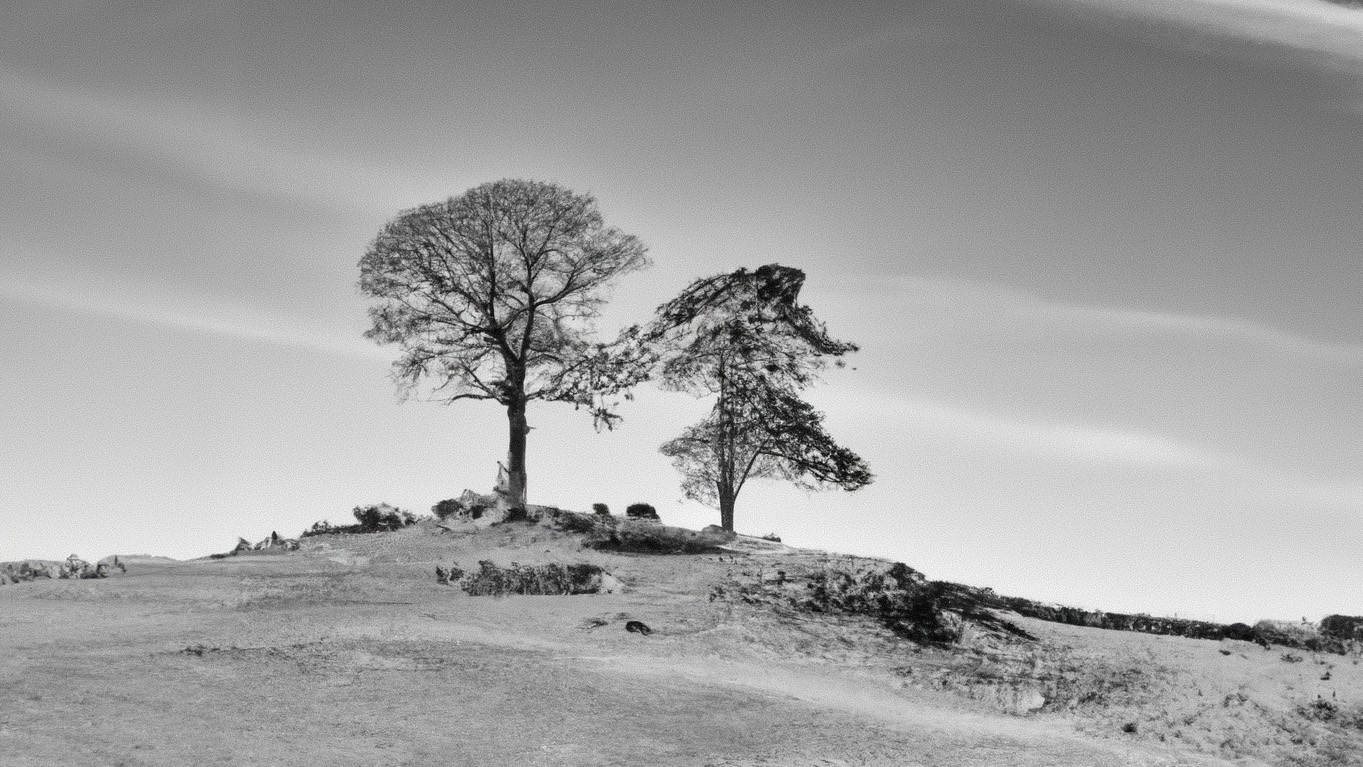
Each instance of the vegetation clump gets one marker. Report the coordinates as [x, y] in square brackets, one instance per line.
[744, 339]
[573, 522]
[926, 612]
[641, 511]
[1343, 627]
[898, 597]
[550, 579]
[377, 518]
[646, 538]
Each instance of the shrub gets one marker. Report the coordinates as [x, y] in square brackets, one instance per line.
[601, 509]
[323, 527]
[1342, 626]
[655, 539]
[469, 506]
[370, 519]
[1301, 636]
[641, 511]
[382, 517]
[446, 507]
[571, 521]
[901, 600]
[553, 579]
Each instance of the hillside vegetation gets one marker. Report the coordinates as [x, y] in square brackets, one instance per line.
[355, 649]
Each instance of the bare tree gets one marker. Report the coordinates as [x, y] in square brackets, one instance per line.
[745, 339]
[491, 295]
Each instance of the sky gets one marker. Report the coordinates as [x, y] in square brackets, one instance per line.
[1102, 259]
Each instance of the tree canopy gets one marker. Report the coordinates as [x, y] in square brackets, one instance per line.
[491, 295]
[745, 339]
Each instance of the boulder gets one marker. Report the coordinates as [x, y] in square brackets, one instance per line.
[276, 542]
[75, 567]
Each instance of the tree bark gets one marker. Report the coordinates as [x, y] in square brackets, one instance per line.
[726, 510]
[515, 456]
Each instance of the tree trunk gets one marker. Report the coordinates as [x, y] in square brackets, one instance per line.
[726, 509]
[515, 457]
[724, 452]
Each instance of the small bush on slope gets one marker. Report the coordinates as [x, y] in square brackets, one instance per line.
[641, 511]
[650, 538]
[552, 579]
[376, 518]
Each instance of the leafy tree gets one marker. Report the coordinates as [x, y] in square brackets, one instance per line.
[745, 339]
[491, 296]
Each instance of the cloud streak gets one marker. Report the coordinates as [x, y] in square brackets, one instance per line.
[1331, 31]
[192, 314]
[220, 145]
[980, 299]
[1087, 445]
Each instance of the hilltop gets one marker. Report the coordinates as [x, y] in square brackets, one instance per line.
[348, 650]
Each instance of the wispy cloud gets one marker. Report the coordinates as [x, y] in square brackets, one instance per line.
[1089, 445]
[987, 300]
[195, 314]
[217, 143]
[1308, 25]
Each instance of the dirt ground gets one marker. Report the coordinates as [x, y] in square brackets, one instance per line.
[349, 652]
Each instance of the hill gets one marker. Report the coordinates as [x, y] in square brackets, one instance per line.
[350, 651]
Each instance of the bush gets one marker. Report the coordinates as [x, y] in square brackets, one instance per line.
[446, 507]
[553, 579]
[601, 509]
[637, 538]
[571, 521]
[901, 600]
[468, 507]
[641, 511]
[370, 519]
[323, 527]
[382, 517]
[1342, 626]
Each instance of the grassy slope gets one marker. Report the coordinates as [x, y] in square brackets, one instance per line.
[348, 652]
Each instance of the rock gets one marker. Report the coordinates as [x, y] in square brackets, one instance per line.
[37, 568]
[275, 542]
[75, 567]
[773, 537]
[612, 585]
[638, 627]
